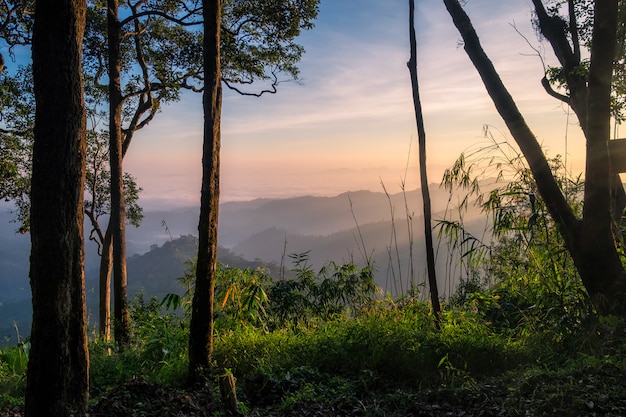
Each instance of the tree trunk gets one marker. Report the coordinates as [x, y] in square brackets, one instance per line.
[589, 241]
[421, 134]
[201, 326]
[602, 274]
[121, 324]
[106, 264]
[58, 369]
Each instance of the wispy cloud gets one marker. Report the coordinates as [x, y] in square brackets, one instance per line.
[348, 123]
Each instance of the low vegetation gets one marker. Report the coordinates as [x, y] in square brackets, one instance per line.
[519, 336]
[328, 344]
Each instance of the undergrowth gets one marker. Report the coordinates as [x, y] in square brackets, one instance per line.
[517, 338]
[380, 359]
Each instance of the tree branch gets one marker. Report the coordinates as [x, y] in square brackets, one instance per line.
[272, 90]
[558, 207]
[573, 30]
[152, 13]
[555, 29]
[548, 87]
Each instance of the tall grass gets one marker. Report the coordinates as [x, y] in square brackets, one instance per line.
[13, 363]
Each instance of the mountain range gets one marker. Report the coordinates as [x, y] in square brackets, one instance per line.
[362, 226]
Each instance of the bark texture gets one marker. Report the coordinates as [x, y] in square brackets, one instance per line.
[58, 369]
[201, 326]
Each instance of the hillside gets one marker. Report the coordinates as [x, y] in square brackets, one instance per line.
[253, 233]
[153, 274]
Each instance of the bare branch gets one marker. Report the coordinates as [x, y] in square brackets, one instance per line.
[188, 86]
[272, 90]
[179, 21]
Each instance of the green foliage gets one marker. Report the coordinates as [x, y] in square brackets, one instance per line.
[383, 361]
[17, 110]
[13, 364]
[530, 278]
[386, 348]
[246, 297]
[582, 385]
[242, 298]
[16, 22]
[98, 182]
[335, 290]
[158, 353]
[258, 41]
[584, 11]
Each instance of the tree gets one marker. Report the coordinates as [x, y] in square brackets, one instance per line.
[18, 110]
[419, 118]
[254, 40]
[98, 204]
[201, 325]
[591, 239]
[143, 39]
[58, 369]
[118, 208]
[16, 21]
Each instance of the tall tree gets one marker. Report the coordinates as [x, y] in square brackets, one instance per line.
[58, 369]
[144, 40]
[17, 108]
[201, 326]
[590, 239]
[421, 134]
[254, 42]
[97, 205]
[118, 208]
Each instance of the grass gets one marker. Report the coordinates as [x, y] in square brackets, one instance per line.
[13, 364]
[388, 360]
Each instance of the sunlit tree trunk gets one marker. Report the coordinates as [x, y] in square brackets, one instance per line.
[201, 326]
[58, 369]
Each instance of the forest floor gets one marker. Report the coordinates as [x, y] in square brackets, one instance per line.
[596, 391]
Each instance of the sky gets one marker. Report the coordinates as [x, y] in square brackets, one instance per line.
[349, 123]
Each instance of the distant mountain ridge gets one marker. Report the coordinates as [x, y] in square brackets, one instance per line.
[351, 226]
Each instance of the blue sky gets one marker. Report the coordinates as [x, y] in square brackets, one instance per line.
[350, 123]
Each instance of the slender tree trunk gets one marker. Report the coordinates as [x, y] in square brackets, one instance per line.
[121, 324]
[421, 134]
[589, 241]
[201, 326]
[58, 369]
[106, 264]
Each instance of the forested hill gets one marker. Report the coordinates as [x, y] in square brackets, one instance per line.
[157, 272]
[265, 229]
[152, 274]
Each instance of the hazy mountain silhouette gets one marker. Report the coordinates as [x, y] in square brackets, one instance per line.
[348, 227]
